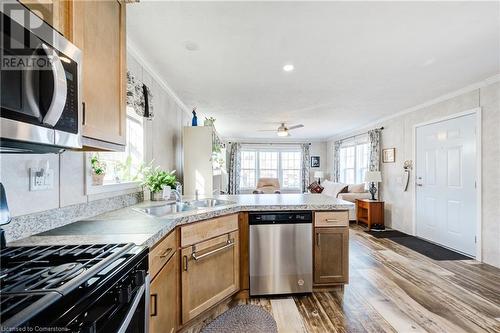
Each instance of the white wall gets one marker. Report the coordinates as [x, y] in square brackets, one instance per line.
[398, 133]
[162, 144]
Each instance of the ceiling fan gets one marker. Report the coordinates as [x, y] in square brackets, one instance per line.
[283, 130]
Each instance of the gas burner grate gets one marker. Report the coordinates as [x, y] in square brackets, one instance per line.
[39, 275]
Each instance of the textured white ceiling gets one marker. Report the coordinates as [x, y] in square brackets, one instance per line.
[354, 62]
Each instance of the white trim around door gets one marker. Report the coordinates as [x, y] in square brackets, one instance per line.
[477, 113]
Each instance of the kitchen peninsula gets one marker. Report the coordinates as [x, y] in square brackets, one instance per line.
[209, 244]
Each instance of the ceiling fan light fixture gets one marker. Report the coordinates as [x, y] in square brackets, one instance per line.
[283, 133]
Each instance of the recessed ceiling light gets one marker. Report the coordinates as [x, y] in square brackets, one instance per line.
[288, 68]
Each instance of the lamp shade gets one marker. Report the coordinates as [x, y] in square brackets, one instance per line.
[318, 174]
[373, 176]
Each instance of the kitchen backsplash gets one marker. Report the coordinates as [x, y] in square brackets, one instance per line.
[27, 225]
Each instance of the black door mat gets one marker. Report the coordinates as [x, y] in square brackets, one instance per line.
[387, 233]
[421, 246]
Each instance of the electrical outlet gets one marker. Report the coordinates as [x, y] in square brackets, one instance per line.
[41, 179]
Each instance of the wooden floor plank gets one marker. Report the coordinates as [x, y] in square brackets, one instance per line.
[287, 316]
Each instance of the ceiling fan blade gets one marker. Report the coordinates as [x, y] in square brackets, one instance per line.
[295, 127]
[263, 130]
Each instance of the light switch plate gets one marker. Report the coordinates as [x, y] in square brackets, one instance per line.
[41, 179]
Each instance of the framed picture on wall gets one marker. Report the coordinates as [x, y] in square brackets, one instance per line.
[315, 162]
[389, 155]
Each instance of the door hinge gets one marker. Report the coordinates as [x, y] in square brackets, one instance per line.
[185, 263]
[475, 239]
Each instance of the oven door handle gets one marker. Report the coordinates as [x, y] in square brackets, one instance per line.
[58, 102]
[130, 314]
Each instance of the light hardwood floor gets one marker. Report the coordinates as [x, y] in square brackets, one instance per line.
[392, 289]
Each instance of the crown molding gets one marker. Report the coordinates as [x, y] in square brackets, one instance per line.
[146, 64]
[475, 86]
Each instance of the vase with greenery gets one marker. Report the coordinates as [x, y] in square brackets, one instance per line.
[156, 180]
[98, 170]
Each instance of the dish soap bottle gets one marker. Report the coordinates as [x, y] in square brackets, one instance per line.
[194, 122]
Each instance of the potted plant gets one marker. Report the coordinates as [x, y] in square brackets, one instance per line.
[156, 179]
[98, 170]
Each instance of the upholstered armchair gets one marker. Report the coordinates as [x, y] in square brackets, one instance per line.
[267, 186]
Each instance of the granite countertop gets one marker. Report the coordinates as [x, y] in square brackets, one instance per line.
[128, 225]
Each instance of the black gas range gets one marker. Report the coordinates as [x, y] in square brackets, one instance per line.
[74, 288]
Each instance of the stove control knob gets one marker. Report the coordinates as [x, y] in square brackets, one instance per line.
[139, 277]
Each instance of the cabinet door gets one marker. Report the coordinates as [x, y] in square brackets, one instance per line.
[99, 30]
[57, 13]
[210, 275]
[163, 290]
[331, 255]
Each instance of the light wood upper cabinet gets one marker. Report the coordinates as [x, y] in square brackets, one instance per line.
[57, 13]
[164, 300]
[99, 31]
[331, 255]
[210, 275]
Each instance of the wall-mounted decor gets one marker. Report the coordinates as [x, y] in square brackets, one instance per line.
[407, 166]
[389, 155]
[315, 162]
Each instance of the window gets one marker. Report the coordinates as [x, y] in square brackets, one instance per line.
[125, 166]
[353, 163]
[291, 166]
[248, 169]
[286, 165]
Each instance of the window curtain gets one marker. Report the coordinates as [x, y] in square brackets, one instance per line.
[234, 168]
[336, 161]
[374, 140]
[139, 97]
[306, 160]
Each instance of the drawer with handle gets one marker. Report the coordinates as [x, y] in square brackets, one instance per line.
[161, 253]
[331, 219]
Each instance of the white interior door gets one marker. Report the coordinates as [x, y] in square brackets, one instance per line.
[445, 183]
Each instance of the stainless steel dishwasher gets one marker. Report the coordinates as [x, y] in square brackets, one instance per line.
[280, 252]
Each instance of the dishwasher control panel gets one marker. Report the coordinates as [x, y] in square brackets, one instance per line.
[280, 217]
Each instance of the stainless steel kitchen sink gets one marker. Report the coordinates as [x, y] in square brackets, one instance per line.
[210, 202]
[169, 208]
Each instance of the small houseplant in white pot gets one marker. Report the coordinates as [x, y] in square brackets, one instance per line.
[98, 170]
[156, 179]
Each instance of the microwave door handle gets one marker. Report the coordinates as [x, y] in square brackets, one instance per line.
[58, 102]
[130, 314]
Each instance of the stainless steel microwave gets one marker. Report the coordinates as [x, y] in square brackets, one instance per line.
[40, 96]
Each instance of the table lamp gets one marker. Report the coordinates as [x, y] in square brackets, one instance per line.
[373, 177]
[319, 175]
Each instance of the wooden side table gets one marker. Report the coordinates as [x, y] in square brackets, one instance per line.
[369, 212]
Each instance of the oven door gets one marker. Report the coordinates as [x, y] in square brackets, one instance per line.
[123, 309]
[39, 83]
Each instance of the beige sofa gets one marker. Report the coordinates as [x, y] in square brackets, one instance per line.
[347, 192]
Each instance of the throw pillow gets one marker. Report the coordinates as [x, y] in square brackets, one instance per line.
[333, 189]
[356, 188]
[314, 187]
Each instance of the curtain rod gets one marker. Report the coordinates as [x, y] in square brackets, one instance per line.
[273, 143]
[353, 136]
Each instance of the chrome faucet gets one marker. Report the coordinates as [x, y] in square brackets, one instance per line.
[178, 193]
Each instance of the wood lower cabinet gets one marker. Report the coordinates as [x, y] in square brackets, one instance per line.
[209, 273]
[331, 255]
[164, 300]
[99, 31]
